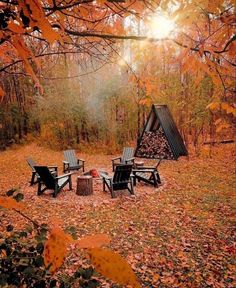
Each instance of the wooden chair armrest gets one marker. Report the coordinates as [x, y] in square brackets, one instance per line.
[145, 167]
[143, 170]
[66, 162]
[116, 158]
[130, 159]
[82, 160]
[64, 175]
[105, 176]
[53, 167]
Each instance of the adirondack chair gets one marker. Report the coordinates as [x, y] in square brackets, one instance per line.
[72, 162]
[148, 174]
[35, 177]
[126, 158]
[121, 179]
[49, 181]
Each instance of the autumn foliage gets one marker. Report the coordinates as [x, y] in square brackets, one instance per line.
[44, 41]
[106, 262]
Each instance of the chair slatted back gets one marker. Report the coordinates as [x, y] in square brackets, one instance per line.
[70, 157]
[122, 173]
[128, 152]
[46, 176]
[31, 163]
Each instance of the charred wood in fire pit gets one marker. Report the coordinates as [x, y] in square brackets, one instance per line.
[154, 145]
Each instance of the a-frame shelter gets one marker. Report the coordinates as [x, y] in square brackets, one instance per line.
[160, 118]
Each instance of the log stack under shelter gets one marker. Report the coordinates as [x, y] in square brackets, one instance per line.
[154, 145]
[160, 138]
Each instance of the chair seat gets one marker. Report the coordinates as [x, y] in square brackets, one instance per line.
[149, 176]
[75, 167]
[143, 175]
[62, 181]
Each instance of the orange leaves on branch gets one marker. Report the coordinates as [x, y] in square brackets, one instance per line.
[10, 203]
[101, 2]
[33, 10]
[24, 53]
[93, 241]
[113, 266]
[20, 46]
[55, 249]
[15, 28]
[190, 64]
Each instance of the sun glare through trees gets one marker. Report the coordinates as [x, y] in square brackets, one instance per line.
[161, 26]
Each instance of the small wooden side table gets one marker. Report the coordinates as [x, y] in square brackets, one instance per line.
[84, 185]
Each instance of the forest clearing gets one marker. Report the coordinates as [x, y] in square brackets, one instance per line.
[179, 234]
[117, 143]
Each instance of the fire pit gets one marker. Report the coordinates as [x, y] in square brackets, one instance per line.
[94, 173]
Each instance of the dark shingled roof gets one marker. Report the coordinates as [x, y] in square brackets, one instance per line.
[160, 115]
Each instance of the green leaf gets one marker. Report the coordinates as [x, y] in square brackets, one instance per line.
[18, 197]
[39, 262]
[72, 231]
[3, 280]
[11, 192]
[28, 271]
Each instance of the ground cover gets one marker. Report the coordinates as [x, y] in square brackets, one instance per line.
[181, 234]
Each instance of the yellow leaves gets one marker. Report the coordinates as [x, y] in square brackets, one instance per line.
[93, 241]
[229, 109]
[55, 249]
[106, 262]
[113, 266]
[145, 101]
[213, 106]
[10, 203]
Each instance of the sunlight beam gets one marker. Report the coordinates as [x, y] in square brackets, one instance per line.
[161, 27]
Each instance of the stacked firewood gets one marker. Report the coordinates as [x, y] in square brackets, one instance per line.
[154, 145]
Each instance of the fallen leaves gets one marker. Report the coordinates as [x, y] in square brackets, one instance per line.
[10, 203]
[93, 241]
[175, 236]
